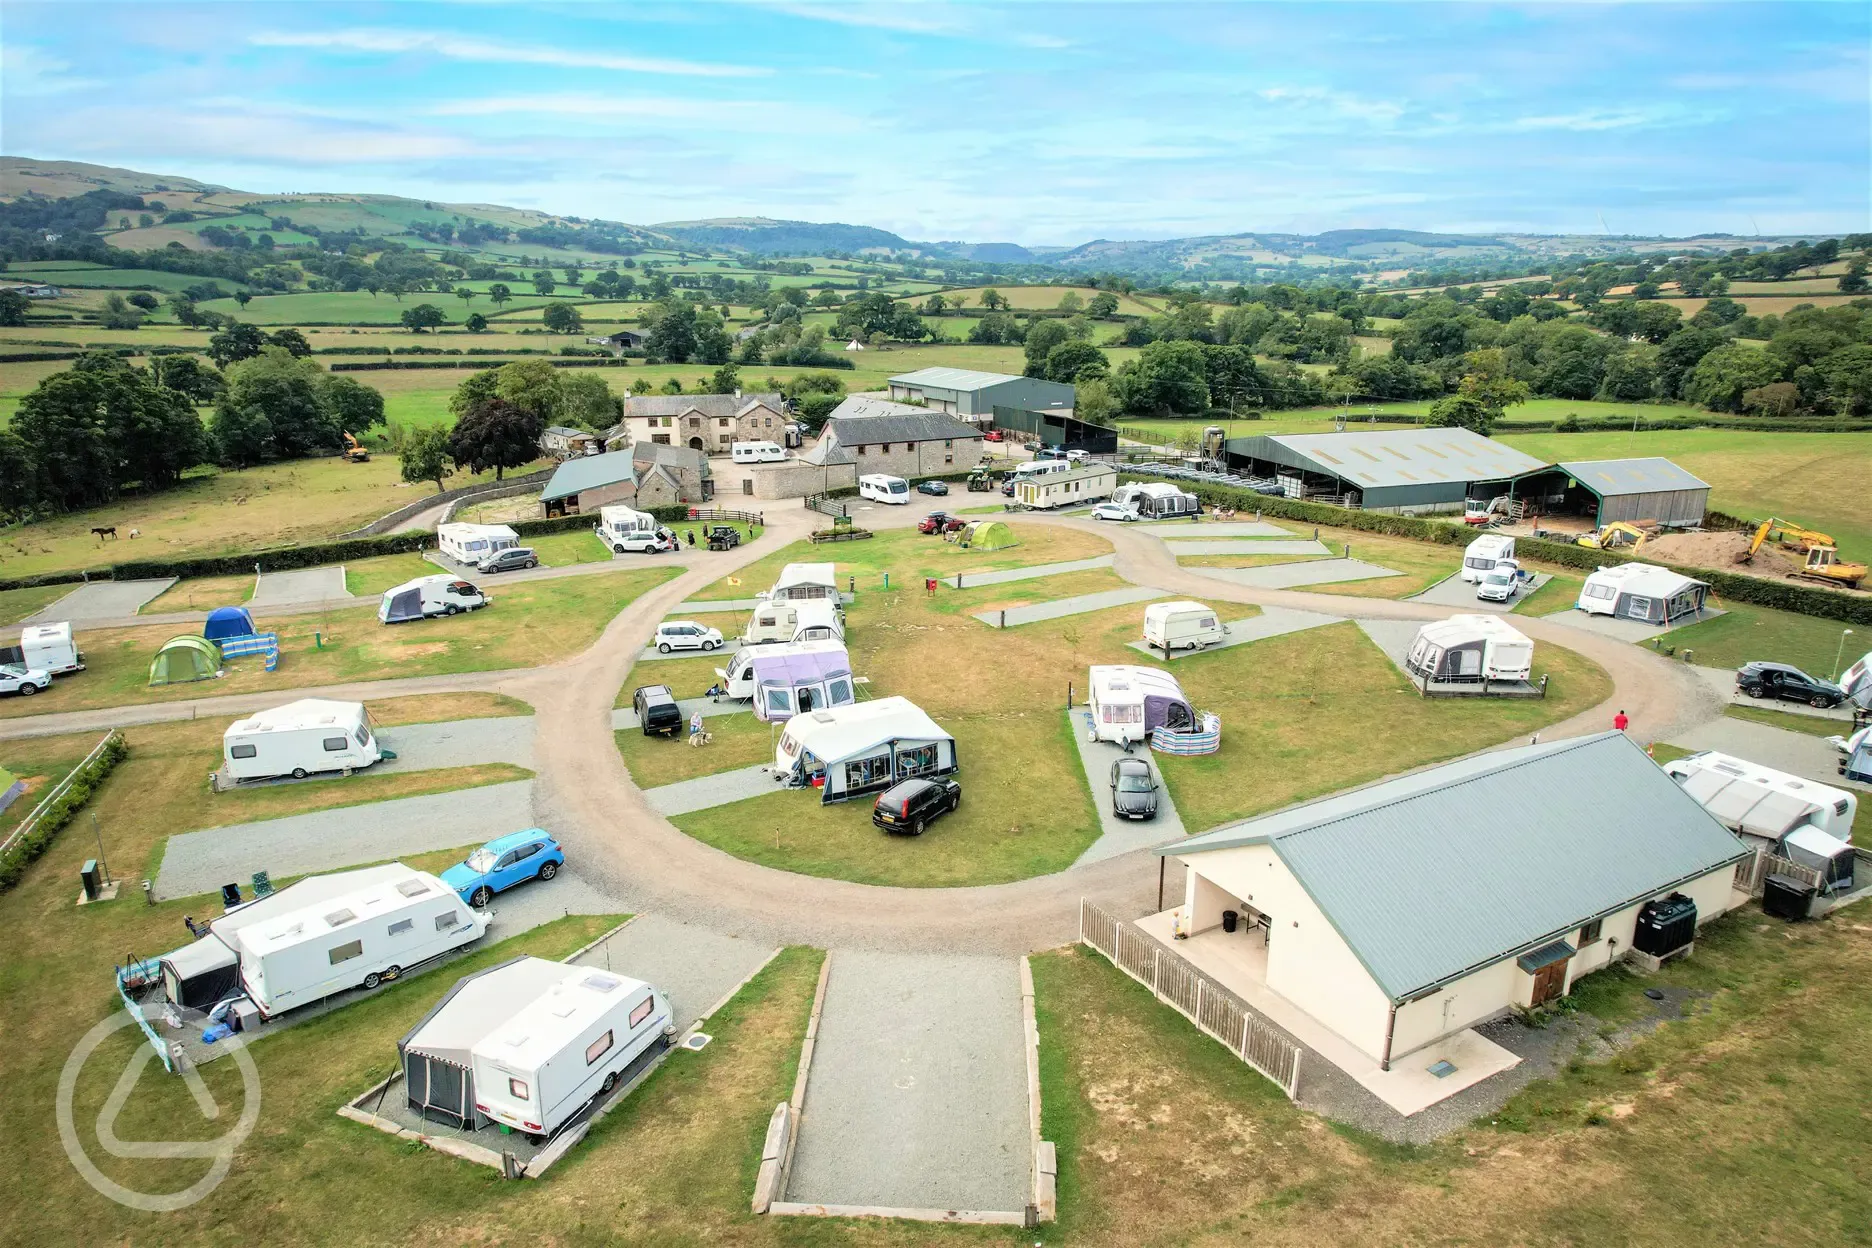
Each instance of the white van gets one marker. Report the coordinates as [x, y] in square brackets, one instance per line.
[300, 738]
[1484, 553]
[48, 647]
[804, 619]
[885, 489]
[1181, 626]
[757, 453]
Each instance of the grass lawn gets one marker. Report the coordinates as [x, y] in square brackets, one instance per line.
[1812, 725]
[531, 622]
[1753, 634]
[1695, 1118]
[739, 741]
[559, 549]
[373, 576]
[17, 604]
[1419, 564]
[1556, 595]
[202, 593]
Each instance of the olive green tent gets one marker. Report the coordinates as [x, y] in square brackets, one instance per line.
[988, 535]
[183, 659]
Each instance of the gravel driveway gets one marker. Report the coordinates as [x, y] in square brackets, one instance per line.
[458, 743]
[1061, 607]
[1453, 591]
[918, 1093]
[1231, 546]
[1272, 622]
[306, 585]
[694, 966]
[973, 580]
[1119, 836]
[1294, 575]
[102, 600]
[1624, 630]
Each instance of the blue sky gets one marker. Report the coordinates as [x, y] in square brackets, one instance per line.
[1029, 122]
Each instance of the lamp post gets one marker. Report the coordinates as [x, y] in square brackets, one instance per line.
[1840, 651]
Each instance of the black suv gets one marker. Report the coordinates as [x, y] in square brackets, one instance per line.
[1788, 684]
[723, 537]
[657, 710]
[909, 805]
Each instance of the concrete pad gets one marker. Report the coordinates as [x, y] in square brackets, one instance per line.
[1272, 622]
[458, 743]
[278, 589]
[626, 717]
[1721, 681]
[1226, 546]
[325, 840]
[1177, 530]
[651, 653]
[1624, 630]
[917, 1097]
[1394, 637]
[1120, 836]
[1454, 592]
[972, 580]
[719, 789]
[102, 600]
[1798, 753]
[693, 966]
[1058, 609]
[1295, 575]
[538, 902]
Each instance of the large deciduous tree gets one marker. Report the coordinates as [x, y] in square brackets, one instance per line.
[1167, 378]
[424, 455]
[496, 434]
[424, 316]
[562, 318]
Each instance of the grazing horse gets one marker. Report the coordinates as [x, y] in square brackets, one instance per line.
[105, 530]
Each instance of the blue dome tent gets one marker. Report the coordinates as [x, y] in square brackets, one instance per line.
[228, 622]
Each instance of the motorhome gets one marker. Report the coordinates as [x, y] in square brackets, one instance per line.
[884, 489]
[737, 679]
[429, 595]
[804, 580]
[471, 543]
[1181, 626]
[299, 739]
[1129, 701]
[617, 523]
[803, 619]
[757, 453]
[1759, 802]
[1156, 500]
[47, 647]
[1484, 553]
[566, 1047]
[1470, 648]
[850, 750]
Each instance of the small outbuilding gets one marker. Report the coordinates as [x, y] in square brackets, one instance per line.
[1643, 592]
[1470, 648]
[1611, 490]
[183, 659]
[851, 750]
[226, 622]
[1086, 483]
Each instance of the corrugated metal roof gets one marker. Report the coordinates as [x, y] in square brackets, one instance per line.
[1385, 457]
[952, 378]
[1631, 476]
[588, 472]
[1432, 875]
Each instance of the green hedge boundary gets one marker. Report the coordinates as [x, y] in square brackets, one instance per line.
[35, 843]
[1755, 591]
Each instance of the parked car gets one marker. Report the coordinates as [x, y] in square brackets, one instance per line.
[645, 542]
[940, 522]
[514, 557]
[25, 681]
[1113, 511]
[504, 862]
[657, 711]
[994, 435]
[933, 487]
[724, 537]
[1007, 487]
[1500, 583]
[910, 805]
[686, 635]
[1078, 457]
[1133, 789]
[1787, 684]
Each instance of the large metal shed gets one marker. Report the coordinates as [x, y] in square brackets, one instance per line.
[1399, 470]
[1619, 489]
[974, 395]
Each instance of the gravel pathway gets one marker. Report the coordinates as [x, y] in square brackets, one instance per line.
[715, 606]
[103, 600]
[538, 902]
[719, 789]
[626, 717]
[1059, 608]
[1227, 546]
[1721, 681]
[459, 743]
[1623, 630]
[1272, 622]
[1453, 591]
[305, 585]
[1119, 836]
[1294, 575]
[917, 1097]
[696, 967]
[199, 862]
[972, 580]
[1176, 531]
[1394, 637]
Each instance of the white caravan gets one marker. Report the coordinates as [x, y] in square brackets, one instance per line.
[566, 1047]
[617, 523]
[47, 647]
[803, 580]
[738, 677]
[1471, 647]
[1182, 626]
[1039, 468]
[429, 595]
[300, 738]
[1484, 553]
[1129, 701]
[1760, 802]
[884, 489]
[803, 619]
[471, 543]
[757, 453]
[1156, 500]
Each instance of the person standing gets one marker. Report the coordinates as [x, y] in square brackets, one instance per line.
[695, 727]
[1621, 721]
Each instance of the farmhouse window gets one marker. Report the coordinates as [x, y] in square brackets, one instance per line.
[642, 1011]
[347, 951]
[243, 751]
[598, 1048]
[1591, 932]
[334, 745]
[948, 459]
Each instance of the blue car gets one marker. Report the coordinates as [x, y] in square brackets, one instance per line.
[504, 862]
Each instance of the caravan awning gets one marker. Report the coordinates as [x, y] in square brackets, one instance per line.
[801, 669]
[475, 1006]
[1747, 807]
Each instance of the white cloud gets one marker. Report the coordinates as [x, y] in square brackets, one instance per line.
[761, 114]
[1589, 120]
[29, 70]
[1336, 103]
[903, 20]
[455, 47]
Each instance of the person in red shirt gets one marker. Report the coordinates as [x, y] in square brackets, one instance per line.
[1621, 721]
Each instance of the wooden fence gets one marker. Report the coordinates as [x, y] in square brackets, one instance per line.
[1204, 1001]
[1751, 874]
[52, 795]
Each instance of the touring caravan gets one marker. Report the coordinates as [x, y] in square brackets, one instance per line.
[48, 647]
[1856, 755]
[1085, 484]
[1760, 802]
[1181, 626]
[1157, 500]
[1471, 647]
[300, 738]
[1039, 467]
[1128, 701]
[567, 1046]
[617, 522]
[1484, 553]
[429, 595]
[850, 750]
[1832, 857]
[738, 677]
[471, 543]
[884, 489]
[757, 453]
[805, 619]
[804, 580]
[786, 685]
[1643, 592]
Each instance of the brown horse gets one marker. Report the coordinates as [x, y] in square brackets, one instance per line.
[105, 530]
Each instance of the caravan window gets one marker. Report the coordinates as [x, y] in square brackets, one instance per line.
[916, 762]
[598, 1048]
[641, 1011]
[345, 952]
[362, 736]
[335, 745]
[447, 921]
[402, 925]
[866, 771]
[1123, 713]
[243, 751]
[517, 1088]
[1600, 591]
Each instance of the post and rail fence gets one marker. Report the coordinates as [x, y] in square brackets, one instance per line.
[52, 796]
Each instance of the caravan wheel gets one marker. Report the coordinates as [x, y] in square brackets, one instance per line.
[372, 980]
[299, 773]
[392, 973]
[451, 609]
[610, 1081]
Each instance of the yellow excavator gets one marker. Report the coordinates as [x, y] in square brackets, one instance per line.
[1616, 534]
[1823, 561]
[354, 452]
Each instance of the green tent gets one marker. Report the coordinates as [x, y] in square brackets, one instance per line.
[183, 659]
[988, 535]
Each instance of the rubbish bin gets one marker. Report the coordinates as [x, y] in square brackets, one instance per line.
[1229, 920]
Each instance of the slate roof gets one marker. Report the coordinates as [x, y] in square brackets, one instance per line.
[712, 405]
[906, 424]
[1433, 875]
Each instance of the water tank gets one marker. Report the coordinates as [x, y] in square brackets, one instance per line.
[1785, 897]
[1665, 925]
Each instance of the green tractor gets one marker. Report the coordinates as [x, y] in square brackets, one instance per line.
[980, 481]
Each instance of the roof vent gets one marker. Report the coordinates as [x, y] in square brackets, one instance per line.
[338, 918]
[824, 717]
[413, 888]
[599, 982]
